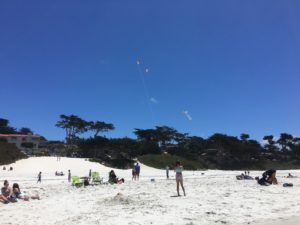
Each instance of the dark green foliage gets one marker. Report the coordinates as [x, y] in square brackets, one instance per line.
[27, 145]
[5, 128]
[25, 130]
[160, 161]
[9, 153]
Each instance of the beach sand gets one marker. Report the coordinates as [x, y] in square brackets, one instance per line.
[213, 198]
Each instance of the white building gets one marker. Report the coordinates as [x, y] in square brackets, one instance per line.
[19, 139]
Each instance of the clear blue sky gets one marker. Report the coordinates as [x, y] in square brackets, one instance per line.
[234, 65]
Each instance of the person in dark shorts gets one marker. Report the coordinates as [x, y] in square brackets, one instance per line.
[69, 176]
[39, 178]
[137, 169]
[133, 174]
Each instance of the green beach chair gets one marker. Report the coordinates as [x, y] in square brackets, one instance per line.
[76, 181]
[96, 178]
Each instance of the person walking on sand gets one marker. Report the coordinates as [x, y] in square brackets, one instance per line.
[179, 178]
[69, 176]
[167, 172]
[39, 178]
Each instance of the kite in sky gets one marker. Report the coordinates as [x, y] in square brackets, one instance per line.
[187, 115]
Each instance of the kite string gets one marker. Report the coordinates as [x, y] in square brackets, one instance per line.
[146, 92]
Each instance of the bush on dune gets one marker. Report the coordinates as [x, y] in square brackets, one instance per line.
[9, 153]
[160, 161]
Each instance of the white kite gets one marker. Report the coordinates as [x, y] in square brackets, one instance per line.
[153, 100]
[187, 115]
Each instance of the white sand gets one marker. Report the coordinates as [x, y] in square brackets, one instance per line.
[214, 198]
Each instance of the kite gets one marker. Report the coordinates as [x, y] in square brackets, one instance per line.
[153, 100]
[187, 115]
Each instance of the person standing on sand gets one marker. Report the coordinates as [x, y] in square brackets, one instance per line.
[133, 174]
[137, 169]
[167, 172]
[39, 178]
[179, 178]
[69, 176]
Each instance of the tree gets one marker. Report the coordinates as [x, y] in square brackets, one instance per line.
[99, 126]
[244, 137]
[3, 122]
[145, 134]
[73, 126]
[285, 141]
[165, 135]
[5, 128]
[25, 130]
[271, 147]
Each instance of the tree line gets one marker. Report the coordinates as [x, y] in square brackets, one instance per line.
[5, 128]
[218, 150]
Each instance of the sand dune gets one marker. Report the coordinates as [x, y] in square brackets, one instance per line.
[213, 198]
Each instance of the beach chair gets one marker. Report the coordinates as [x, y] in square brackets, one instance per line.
[96, 178]
[76, 181]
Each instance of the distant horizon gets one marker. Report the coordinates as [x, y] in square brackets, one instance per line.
[200, 67]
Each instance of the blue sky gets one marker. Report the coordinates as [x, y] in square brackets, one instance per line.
[233, 65]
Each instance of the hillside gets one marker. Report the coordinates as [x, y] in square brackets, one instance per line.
[9, 153]
[160, 161]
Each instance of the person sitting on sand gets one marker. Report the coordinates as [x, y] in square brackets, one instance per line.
[112, 178]
[4, 168]
[179, 178]
[240, 177]
[21, 195]
[121, 181]
[244, 177]
[3, 199]
[6, 191]
[268, 177]
[290, 176]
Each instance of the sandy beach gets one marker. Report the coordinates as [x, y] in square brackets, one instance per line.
[214, 197]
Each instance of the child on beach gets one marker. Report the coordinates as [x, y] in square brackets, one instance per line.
[69, 176]
[133, 174]
[179, 178]
[167, 172]
[39, 178]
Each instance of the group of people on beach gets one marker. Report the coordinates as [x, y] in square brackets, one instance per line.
[13, 194]
[10, 168]
[268, 178]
